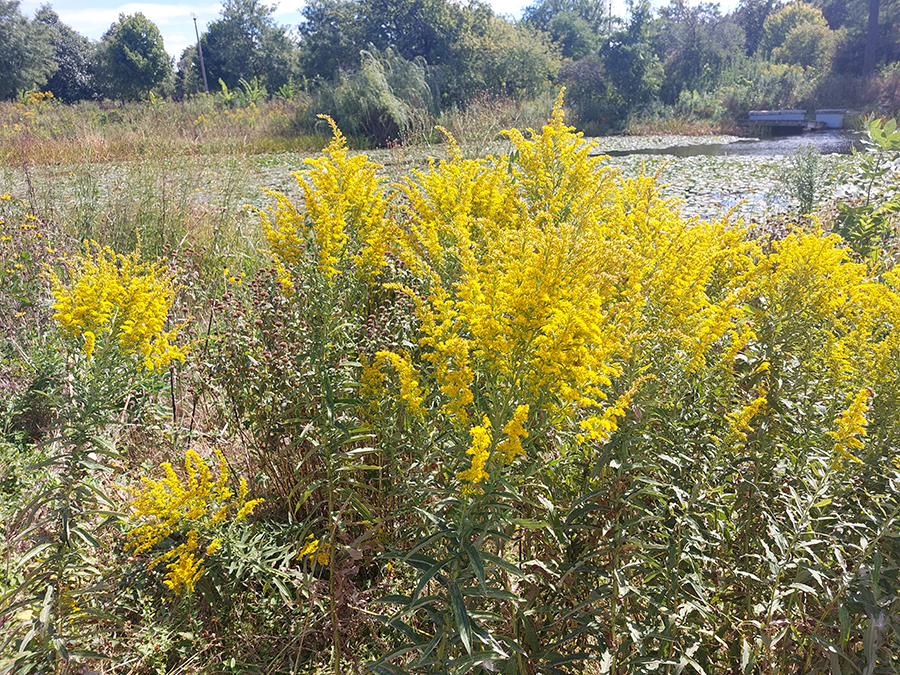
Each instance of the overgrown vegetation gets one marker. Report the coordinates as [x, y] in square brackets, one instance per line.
[512, 413]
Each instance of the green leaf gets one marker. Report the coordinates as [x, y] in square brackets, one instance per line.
[420, 562]
[844, 615]
[86, 537]
[488, 639]
[529, 523]
[503, 564]
[59, 644]
[475, 561]
[467, 663]
[748, 659]
[36, 551]
[398, 624]
[463, 625]
[490, 592]
[282, 590]
[876, 572]
[435, 641]
[382, 667]
[356, 452]
[531, 638]
[569, 658]
[394, 599]
[428, 576]
[46, 610]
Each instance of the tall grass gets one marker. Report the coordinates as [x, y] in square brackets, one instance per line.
[44, 132]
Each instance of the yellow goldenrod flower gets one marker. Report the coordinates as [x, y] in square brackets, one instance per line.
[481, 452]
[118, 298]
[739, 421]
[342, 197]
[602, 427]
[410, 392]
[851, 427]
[316, 551]
[511, 447]
[184, 573]
[200, 501]
[541, 277]
[247, 509]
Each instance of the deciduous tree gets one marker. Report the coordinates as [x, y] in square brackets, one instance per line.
[131, 59]
[798, 34]
[26, 53]
[246, 42]
[73, 54]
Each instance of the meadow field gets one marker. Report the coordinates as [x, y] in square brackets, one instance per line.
[482, 401]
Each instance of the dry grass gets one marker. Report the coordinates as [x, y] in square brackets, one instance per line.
[42, 132]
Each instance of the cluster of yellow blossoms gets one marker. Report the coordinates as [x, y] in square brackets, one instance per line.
[315, 551]
[739, 421]
[851, 427]
[181, 508]
[119, 301]
[343, 198]
[485, 446]
[544, 282]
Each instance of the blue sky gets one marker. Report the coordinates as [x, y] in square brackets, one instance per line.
[93, 17]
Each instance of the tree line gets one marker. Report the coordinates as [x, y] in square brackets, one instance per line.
[387, 59]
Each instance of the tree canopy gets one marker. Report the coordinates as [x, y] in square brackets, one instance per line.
[798, 34]
[449, 36]
[26, 51]
[246, 43]
[131, 59]
[73, 53]
[678, 58]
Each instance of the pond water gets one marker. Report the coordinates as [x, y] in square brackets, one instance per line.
[828, 142]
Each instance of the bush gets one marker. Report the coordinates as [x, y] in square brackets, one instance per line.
[380, 101]
[761, 85]
[507, 414]
[605, 408]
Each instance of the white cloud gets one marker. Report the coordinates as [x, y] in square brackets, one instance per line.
[175, 44]
[290, 6]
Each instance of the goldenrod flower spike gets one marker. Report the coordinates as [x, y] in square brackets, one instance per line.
[199, 502]
[117, 298]
[480, 451]
[452, 145]
[343, 201]
[411, 393]
[851, 427]
[316, 551]
[739, 421]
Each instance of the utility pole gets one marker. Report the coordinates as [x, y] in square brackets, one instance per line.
[871, 40]
[200, 49]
